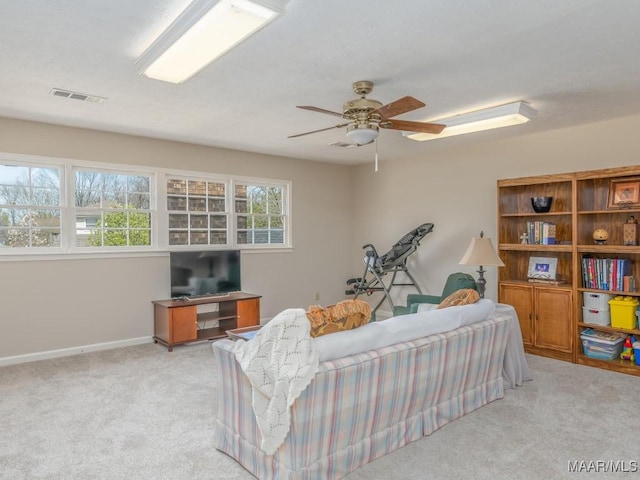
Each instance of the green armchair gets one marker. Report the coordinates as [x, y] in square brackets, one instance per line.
[455, 281]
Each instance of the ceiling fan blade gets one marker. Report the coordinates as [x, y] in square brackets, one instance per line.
[403, 105]
[320, 110]
[408, 126]
[321, 130]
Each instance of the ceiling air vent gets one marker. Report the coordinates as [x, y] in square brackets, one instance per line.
[58, 92]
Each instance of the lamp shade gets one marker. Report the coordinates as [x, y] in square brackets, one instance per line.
[481, 252]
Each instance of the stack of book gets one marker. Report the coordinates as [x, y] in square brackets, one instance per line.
[612, 274]
[541, 233]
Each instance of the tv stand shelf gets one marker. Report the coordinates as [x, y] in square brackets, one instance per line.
[211, 333]
[178, 321]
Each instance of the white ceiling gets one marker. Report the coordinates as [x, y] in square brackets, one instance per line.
[574, 61]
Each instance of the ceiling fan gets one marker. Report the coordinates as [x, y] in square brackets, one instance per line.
[366, 116]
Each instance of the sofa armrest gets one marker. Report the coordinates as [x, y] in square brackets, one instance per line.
[417, 298]
[413, 300]
[400, 310]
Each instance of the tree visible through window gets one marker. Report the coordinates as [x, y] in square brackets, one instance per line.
[70, 207]
[260, 214]
[29, 206]
[112, 209]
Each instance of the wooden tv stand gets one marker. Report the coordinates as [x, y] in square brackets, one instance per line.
[178, 322]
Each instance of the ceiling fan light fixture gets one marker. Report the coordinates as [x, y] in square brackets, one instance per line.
[515, 113]
[362, 134]
[204, 31]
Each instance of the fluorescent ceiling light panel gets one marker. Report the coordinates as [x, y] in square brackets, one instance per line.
[205, 31]
[496, 117]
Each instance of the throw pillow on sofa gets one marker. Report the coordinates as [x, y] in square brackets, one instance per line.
[465, 296]
[345, 315]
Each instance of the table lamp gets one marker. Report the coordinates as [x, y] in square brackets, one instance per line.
[481, 253]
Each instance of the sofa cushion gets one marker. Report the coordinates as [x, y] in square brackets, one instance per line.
[345, 315]
[402, 328]
[466, 296]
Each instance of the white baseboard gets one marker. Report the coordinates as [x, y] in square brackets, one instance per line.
[64, 352]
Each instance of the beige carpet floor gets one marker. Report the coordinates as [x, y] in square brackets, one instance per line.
[143, 413]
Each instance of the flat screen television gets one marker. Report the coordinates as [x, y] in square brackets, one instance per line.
[204, 273]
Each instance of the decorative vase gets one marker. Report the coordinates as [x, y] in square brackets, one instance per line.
[541, 204]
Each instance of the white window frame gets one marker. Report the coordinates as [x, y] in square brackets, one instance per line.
[286, 213]
[73, 209]
[209, 178]
[230, 181]
[158, 210]
[35, 162]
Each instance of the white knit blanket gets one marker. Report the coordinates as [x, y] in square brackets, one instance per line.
[280, 362]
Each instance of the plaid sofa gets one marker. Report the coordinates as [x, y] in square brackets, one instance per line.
[363, 406]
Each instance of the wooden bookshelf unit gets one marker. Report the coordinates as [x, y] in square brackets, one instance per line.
[178, 322]
[551, 315]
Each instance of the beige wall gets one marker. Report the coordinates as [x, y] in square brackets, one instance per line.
[336, 210]
[56, 304]
[456, 190]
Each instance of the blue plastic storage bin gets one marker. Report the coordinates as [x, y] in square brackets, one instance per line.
[602, 345]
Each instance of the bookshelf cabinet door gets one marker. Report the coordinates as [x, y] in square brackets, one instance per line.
[553, 322]
[521, 298]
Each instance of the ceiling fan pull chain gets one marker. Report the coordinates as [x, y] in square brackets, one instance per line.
[376, 161]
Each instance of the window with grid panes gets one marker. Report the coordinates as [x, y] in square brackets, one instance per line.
[260, 214]
[197, 211]
[30, 206]
[66, 207]
[112, 209]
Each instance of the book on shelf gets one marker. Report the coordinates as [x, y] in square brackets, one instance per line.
[629, 284]
[613, 274]
[548, 233]
[541, 233]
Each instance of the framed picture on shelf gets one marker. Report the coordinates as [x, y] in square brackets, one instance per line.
[624, 193]
[542, 268]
